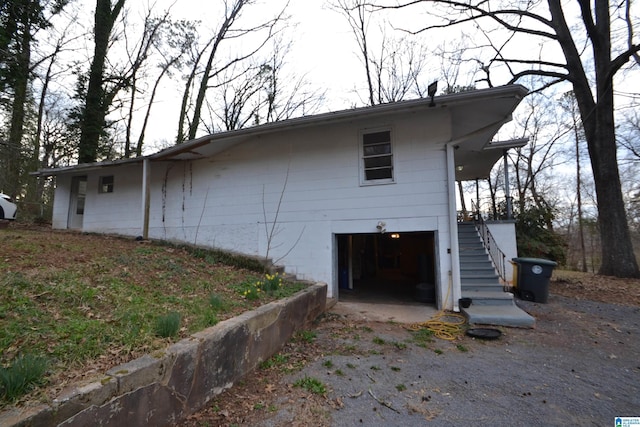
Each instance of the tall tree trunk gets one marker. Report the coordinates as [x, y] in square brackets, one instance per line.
[583, 251]
[20, 91]
[95, 110]
[618, 258]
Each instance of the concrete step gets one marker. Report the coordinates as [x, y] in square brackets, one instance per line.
[471, 264]
[477, 254]
[477, 268]
[484, 287]
[498, 315]
[488, 297]
[481, 277]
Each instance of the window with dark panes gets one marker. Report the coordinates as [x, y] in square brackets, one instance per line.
[377, 156]
[106, 184]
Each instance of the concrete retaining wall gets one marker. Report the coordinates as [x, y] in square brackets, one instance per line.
[164, 388]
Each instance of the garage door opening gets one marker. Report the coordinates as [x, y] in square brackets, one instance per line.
[389, 267]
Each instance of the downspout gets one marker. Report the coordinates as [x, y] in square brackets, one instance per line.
[507, 193]
[145, 197]
[456, 288]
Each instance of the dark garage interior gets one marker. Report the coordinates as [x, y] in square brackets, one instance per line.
[387, 267]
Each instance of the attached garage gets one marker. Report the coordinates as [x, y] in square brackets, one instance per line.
[387, 266]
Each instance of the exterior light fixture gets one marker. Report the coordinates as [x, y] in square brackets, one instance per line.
[394, 235]
[459, 168]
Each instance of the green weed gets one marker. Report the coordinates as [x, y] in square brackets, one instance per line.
[216, 302]
[422, 337]
[21, 376]
[168, 325]
[312, 385]
[275, 360]
[306, 336]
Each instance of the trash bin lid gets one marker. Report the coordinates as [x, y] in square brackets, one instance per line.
[540, 261]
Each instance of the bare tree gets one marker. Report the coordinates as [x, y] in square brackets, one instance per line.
[394, 66]
[217, 64]
[568, 103]
[547, 24]
[177, 40]
[262, 92]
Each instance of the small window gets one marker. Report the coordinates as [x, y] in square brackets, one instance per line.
[106, 184]
[377, 157]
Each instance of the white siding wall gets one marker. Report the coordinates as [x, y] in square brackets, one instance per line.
[118, 212]
[223, 201]
[60, 215]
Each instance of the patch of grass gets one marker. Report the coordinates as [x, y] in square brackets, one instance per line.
[306, 336]
[327, 364]
[366, 329]
[375, 368]
[351, 366]
[21, 376]
[422, 337]
[395, 369]
[312, 385]
[216, 302]
[275, 360]
[462, 348]
[168, 325]
[339, 373]
[401, 387]
[91, 300]
[399, 345]
[378, 340]
[350, 349]
[438, 351]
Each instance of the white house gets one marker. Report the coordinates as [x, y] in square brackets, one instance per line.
[355, 196]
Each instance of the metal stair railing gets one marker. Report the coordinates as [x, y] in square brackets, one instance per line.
[497, 256]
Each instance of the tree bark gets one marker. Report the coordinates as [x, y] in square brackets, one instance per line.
[20, 91]
[95, 110]
[618, 258]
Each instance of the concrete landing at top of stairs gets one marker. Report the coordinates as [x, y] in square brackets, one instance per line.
[499, 315]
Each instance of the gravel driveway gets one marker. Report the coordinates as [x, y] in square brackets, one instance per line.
[579, 366]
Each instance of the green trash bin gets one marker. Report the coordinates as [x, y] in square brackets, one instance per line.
[533, 278]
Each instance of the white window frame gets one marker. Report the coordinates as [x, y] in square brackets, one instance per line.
[106, 188]
[361, 156]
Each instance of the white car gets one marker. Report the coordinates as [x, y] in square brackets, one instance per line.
[7, 207]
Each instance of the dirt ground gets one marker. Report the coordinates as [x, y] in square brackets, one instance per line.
[578, 366]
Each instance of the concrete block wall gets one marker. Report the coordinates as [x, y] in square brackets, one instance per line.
[161, 389]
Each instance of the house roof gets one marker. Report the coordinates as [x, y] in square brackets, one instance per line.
[477, 115]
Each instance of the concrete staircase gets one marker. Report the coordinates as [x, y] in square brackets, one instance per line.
[490, 304]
